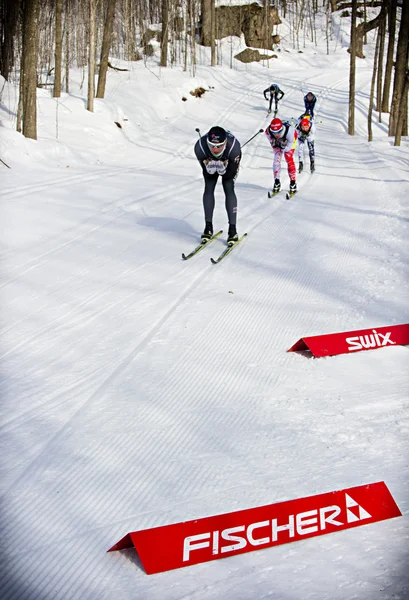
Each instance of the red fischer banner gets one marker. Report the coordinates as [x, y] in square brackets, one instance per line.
[210, 538]
[353, 341]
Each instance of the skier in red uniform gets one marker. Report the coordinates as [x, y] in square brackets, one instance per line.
[282, 137]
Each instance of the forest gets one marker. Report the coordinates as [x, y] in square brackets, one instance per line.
[41, 40]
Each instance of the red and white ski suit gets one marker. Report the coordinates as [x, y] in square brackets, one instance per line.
[286, 145]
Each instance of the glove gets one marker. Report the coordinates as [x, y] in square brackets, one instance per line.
[222, 166]
[216, 166]
[210, 166]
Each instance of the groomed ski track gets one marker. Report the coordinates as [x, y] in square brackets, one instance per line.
[170, 382]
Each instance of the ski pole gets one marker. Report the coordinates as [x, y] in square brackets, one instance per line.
[252, 138]
[198, 131]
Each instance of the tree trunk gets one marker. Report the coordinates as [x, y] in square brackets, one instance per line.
[192, 22]
[106, 46]
[389, 56]
[352, 67]
[402, 126]
[91, 57]
[9, 11]
[67, 46]
[371, 95]
[379, 57]
[213, 33]
[363, 28]
[206, 34]
[58, 49]
[401, 68]
[165, 34]
[29, 68]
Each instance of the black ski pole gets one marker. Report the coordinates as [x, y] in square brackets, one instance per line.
[252, 138]
[198, 131]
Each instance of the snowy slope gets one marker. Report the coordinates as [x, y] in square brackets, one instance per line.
[140, 390]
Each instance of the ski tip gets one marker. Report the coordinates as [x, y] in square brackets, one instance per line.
[184, 256]
[213, 261]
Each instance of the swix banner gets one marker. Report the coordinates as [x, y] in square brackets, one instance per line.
[353, 341]
[210, 538]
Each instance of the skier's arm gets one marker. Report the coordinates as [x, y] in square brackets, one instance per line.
[207, 164]
[234, 160]
[291, 140]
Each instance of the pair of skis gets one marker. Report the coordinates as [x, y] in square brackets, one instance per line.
[288, 195]
[269, 114]
[205, 243]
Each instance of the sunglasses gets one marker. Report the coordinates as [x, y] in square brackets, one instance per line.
[216, 145]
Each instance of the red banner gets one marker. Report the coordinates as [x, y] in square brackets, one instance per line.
[353, 341]
[210, 538]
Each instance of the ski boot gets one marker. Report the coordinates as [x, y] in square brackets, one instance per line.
[232, 236]
[277, 186]
[293, 186]
[300, 166]
[208, 232]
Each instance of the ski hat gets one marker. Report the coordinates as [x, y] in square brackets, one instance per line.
[276, 126]
[310, 96]
[216, 136]
[305, 123]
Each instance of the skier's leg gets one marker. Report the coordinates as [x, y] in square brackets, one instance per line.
[208, 196]
[231, 200]
[289, 157]
[301, 147]
[311, 150]
[278, 153]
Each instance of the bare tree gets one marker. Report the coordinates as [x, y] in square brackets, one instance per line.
[401, 73]
[366, 26]
[106, 46]
[206, 30]
[91, 57]
[67, 46]
[352, 67]
[379, 51]
[9, 19]
[371, 95]
[213, 32]
[27, 111]
[58, 49]
[402, 124]
[389, 55]
[165, 34]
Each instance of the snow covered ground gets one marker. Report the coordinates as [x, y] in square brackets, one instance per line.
[140, 390]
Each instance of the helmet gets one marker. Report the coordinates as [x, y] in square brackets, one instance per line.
[276, 126]
[305, 123]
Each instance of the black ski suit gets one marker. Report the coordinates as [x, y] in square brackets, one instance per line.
[227, 166]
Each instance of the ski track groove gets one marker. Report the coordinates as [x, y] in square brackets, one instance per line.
[168, 192]
[184, 397]
[113, 374]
